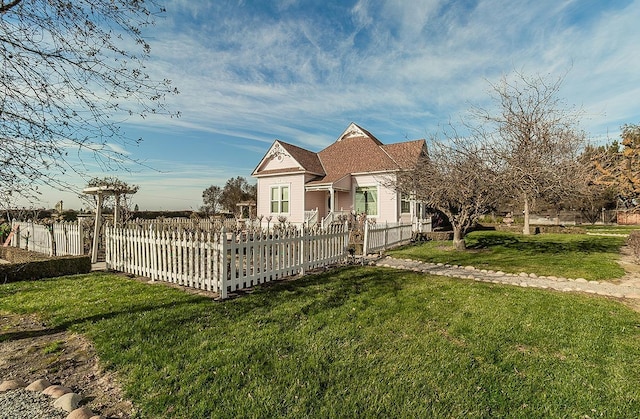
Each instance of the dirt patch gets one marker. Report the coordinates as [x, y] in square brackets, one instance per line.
[629, 263]
[29, 351]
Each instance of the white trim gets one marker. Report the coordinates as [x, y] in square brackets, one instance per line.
[280, 186]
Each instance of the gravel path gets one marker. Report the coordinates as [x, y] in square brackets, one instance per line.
[626, 289]
[25, 404]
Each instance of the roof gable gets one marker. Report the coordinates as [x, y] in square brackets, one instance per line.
[286, 158]
[356, 150]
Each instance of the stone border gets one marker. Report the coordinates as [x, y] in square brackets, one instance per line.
[522, 279]
[64, 398]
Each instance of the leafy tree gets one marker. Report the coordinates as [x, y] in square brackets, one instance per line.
[237, 190]
[455, 178]
[211, 199]
[537, 140]
[71, 71]
[619, 167]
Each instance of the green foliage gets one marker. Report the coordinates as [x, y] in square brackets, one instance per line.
[355, 342]
[25, 265]
[236, 190]
[567, 255]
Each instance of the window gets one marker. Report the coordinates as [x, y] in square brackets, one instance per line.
[279, 199]
[367, 200]
[405, 204]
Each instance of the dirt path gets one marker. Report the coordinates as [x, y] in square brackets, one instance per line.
[29, 352]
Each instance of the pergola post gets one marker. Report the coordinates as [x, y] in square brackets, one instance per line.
[96, 229]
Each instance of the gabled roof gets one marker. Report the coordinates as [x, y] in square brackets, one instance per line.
[307, 161]
[355, 151]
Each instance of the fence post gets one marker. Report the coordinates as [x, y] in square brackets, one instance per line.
[223, 269]
[365, 244]
[386, 235]
[303, 259]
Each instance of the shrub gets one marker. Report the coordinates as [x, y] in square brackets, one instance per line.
[24, 265]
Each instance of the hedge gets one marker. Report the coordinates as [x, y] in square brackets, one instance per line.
[24, 265]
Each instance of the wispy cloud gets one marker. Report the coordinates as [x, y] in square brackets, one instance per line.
[300, 71]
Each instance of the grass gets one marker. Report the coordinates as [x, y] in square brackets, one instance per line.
[354, 342]
[566, 255]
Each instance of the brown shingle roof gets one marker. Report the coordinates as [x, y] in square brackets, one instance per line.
[354, 155]
[406, 154]
[307, 159]
[355, 151]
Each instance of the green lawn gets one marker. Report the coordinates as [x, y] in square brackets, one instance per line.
[353, 342]
[566, 255]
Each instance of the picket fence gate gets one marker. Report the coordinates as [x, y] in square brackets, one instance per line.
[61, 240]
[219, 261]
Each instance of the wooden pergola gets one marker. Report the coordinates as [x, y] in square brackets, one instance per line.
[100, 192]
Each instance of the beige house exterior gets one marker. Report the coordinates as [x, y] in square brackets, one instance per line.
[351, 176]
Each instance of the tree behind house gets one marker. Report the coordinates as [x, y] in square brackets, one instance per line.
[235, 190]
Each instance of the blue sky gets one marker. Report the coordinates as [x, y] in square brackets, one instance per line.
[250, 72]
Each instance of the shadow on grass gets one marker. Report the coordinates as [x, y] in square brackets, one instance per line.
[534, 245]
[65, 326]
[328, 289]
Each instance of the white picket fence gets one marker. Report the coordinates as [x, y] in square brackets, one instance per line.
[31, 236]
[63, 239]
[380, 237]
[219, 261]
[68, 239]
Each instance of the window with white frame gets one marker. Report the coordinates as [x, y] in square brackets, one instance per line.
[405, 204]
[280, 199]
[367, 200]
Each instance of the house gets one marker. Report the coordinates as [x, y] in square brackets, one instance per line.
[351, 176]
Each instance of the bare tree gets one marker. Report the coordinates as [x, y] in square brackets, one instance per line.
[71, 72]
[456, 178]
[537, 139]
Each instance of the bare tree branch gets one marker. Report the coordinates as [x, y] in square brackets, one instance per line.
[71, 73]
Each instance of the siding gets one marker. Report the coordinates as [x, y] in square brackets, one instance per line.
[388, 203]
[296, 196]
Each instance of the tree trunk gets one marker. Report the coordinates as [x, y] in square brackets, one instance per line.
[458, 238]
[526, 230]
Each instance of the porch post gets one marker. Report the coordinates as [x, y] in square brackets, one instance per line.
[332, 199]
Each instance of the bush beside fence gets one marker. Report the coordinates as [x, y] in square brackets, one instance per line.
[25, 265]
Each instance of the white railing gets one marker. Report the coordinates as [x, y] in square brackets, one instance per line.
[222, 262]
[63, 238]
[311, 217]
[332, 217]
[379, 237]
[422, 225]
